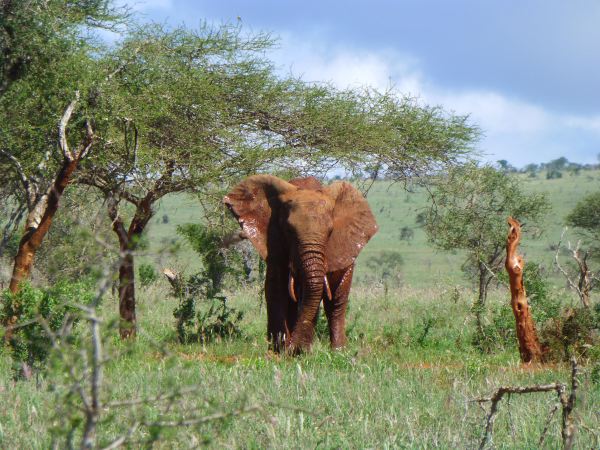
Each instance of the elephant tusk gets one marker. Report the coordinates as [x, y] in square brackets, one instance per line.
[327, 290]
[291, 289]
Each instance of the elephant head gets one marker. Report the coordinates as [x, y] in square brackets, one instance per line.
[306, 230]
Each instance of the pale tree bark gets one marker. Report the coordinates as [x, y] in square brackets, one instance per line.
[529, 345]
[42, 206]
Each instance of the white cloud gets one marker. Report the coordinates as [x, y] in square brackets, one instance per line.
[514, 129]
[345, 68]
[589, 123]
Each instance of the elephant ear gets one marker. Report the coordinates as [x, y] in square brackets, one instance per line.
[252, 202]
[353, 225]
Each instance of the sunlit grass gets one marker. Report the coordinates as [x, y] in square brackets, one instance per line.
[395, 385]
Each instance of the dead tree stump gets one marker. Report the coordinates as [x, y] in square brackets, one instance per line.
[529, 345]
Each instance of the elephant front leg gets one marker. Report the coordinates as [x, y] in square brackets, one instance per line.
[335, 309]
[281, 309]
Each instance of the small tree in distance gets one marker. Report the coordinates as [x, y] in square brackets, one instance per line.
[468, 210]
[586, 217]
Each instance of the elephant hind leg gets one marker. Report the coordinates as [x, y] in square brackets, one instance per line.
[335, 309]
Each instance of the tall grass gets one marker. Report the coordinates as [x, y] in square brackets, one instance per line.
[406, 379]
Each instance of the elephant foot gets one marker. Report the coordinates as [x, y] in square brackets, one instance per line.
[337, 342]
[297, 348]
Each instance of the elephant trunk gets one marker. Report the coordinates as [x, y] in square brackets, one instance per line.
[312, 274]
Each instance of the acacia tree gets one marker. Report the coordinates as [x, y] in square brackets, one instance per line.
[45, 131]
[196, 110]
[467, 211]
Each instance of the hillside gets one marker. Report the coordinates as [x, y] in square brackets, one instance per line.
[396, 208]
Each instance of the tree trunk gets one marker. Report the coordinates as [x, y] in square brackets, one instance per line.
[38, 223]
[529, 345]
[127, 326]
[128, 240]
[480, 305]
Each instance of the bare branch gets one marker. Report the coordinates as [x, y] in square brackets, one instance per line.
[87, 143]
[122, 439]
[62, 125]
[203, 419]
[495, 399]
[547, 426]
[586, 279]
[564, 272]
[567, 402]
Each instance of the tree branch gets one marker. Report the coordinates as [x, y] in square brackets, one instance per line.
[495, 399]
[31, 194]
[62, 125]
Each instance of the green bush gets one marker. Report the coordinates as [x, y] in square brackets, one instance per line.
[553, 174]
[386, 267]
[218, 262]
[202, 314]
[40, 310]
[147, 274]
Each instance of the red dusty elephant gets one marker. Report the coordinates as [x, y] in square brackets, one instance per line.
[310, 236]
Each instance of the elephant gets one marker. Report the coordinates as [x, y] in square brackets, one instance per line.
[309, 235]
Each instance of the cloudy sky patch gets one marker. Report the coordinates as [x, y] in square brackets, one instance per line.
[526, 72]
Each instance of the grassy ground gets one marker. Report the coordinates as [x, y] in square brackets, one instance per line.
[406, 380]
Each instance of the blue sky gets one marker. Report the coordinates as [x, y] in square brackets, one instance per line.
[527, 72]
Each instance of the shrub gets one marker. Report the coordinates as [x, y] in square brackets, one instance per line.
[147, 274]
[386, 265]
[203, 313]
[574, 333]
[553, 174]
[218, 262]
[39, 310]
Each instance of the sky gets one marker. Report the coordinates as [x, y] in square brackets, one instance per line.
[526, 72]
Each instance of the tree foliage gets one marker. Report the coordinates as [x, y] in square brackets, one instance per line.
[196, 110]
[49, 69]
[586, 216]
[37, 35]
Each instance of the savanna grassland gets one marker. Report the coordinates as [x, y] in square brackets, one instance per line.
[407, 378]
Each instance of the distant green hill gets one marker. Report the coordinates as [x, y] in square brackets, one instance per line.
[396, 208]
